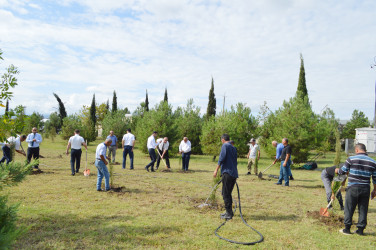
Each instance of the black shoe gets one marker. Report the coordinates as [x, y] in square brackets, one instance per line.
[147, 169]
[73, 174]
[131, 168]
[359, 231]
[152, 170]
[77, 170]
[99, 190]
[277, 183]
[345, 231]
[291, 178]
[226, 216]
[249, 173]
[156, 168]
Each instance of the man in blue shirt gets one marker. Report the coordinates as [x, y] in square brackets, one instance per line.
[229, 170]
[360, 168]
[112, 148]
[279, 147]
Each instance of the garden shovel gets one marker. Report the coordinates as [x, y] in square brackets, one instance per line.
[86, 171]
[336, 187]
[162, 158]
[260, 174]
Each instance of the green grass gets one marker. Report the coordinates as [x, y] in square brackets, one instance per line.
[158, 209]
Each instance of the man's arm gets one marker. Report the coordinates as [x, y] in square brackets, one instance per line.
[68, 147]
[221, 158]
[216, 170]
[85, 145]
[122, 144]
[286, 159]
[28, 139]
[258, 154]
[103, 159]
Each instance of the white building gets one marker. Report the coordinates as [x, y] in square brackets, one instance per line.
[367, 136]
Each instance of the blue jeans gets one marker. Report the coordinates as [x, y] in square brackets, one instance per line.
[284, 173]
[127, 150]
[7, 155]
[185, 160]
[102, 172]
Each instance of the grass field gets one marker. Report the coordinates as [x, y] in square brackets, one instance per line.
[159, 210]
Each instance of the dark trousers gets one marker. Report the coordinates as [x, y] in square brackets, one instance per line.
[357, 195]
[127, 150]
[33, 152]
[185, 160]
[228, 183]
[165, 157]
[7, 155]
[75, 157]
[153, 158]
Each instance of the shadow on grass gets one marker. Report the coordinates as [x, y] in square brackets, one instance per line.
[292, 217]
[94, 232]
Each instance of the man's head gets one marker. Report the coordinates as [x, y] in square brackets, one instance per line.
[360, 148]
[274, 143]
[165, 139]
[185, 139]
[111, 133]
[285, 141]
[34, 130]
[253, 141]
[129, 130]
[108, 142]
[225, 138]
[77, 131]
[155, 133]
[22, 137]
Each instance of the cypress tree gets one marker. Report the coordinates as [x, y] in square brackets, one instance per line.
[107, 106]
[62, 112]
[147, 102]
[302, 87]
[212, 104]
[114, 103]
[165, 99]
[93, 110]
[7, 108]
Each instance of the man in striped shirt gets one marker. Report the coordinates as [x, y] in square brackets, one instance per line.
[360, 168]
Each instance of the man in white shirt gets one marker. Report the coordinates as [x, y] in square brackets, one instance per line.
[152, 145]
[6, 147]
[253, 156]
[163, 151]
[128, 145]
[100, 163]
[75, 143]
[185, 151]
[33, 140]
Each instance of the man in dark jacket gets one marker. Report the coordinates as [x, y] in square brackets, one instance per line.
[229, 171]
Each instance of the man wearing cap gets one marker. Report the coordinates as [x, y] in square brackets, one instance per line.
[33, 140]
[163, 151]
[185, 151]
[75, 142]
[279, 147]
[6, 147]
[100, 163]
[112, 148]
[152, 145]
[253, 156]
[128, 144]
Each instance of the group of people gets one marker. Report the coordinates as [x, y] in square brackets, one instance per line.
[360, 168]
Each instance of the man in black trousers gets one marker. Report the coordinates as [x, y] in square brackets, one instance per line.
[229, 171]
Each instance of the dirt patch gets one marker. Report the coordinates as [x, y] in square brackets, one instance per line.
[198, 203]
[333, 221]
[116, 163]
[186, 172]
[118, 189]
[166, 171]
[38, 171]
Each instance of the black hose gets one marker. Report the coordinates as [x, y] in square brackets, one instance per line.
[241, 215]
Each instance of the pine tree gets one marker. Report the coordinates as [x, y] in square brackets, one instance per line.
[146, 102]
[165, 96]
[114, 103]
[62, 111]
[93, 110]
[7, 108]
[212, 104]
[107, 106]
[302, 87]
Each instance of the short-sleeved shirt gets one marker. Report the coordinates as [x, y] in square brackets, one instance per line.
[286, 150]
[76, 141]
[101, 150]
[128, 139]
[15, 141]
[113, 139]
[163, 146]
[279, 150]
[253, 149]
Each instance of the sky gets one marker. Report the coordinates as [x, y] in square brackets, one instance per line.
[251, 48]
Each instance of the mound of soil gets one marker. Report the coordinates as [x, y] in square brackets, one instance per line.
[117, 189]
[166, 171]
[36, 171]
[333, 221]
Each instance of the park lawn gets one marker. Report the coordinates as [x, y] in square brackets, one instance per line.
[159, 210]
